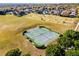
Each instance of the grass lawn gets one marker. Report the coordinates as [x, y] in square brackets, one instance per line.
[11, 28]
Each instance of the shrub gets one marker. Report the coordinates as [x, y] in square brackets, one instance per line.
[14, 52]
[28, 54]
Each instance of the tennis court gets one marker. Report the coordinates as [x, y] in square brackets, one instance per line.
[41, 36]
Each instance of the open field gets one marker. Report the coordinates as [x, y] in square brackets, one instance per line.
[11, 28]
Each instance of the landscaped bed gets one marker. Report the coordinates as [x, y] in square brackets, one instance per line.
[41, 36]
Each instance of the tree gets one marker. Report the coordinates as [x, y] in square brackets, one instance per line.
[65, 42]
[14, 52]
[72, 52]
[68, 38]
[76, 44]
[54, 50]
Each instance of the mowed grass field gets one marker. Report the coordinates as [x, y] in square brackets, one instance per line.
[12, 27]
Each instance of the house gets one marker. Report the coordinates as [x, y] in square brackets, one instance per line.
[65, 13]
[2, 13]
[73, 13]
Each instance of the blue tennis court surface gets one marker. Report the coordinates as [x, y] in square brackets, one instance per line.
[41, 36]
